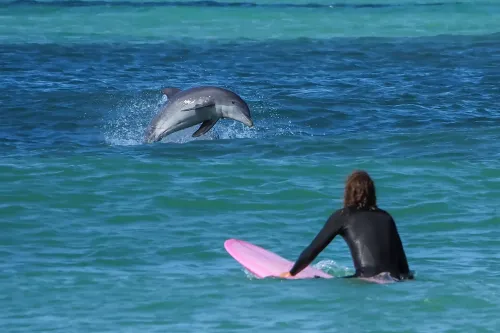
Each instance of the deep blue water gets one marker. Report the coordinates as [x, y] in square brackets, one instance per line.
[104, 233]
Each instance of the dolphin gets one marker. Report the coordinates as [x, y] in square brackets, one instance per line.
[205, 105]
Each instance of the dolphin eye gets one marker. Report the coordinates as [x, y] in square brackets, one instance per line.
[233, 102]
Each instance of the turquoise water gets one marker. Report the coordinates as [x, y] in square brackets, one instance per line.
[103, 233]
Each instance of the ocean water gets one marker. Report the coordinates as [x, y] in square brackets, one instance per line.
[103, 233]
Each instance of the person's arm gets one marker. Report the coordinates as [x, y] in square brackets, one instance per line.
[331, 229]
[403, 262]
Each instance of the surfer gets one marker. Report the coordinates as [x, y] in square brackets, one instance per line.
[369, 231]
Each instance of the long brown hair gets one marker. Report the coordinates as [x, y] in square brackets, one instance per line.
[360, 191]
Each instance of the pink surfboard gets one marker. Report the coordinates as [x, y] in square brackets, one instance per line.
[263, 263]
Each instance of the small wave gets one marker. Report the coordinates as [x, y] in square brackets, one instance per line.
[243, 4]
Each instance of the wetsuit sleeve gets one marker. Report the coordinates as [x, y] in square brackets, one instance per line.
[403, 262]
[332, 227]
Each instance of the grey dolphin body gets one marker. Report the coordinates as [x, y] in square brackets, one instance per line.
[205, 105]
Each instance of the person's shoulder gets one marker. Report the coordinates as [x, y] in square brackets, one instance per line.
[340, 211]
[336, 214]
[337, 218]
[383, 211]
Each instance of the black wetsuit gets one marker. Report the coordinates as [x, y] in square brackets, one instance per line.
[373, 240]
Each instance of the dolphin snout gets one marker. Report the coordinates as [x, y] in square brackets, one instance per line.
[248, 121]
[247, 118]
[239, 113]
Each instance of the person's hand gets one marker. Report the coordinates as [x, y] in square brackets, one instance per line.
[285, 275]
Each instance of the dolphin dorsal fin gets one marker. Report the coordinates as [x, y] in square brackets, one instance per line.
[170, 91]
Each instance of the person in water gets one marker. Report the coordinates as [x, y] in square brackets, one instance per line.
[369, 231]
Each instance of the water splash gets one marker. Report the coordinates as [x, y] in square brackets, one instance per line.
[384, 277]
[249, 274]
[327, 266]
[127, 122]
[129, 119]
[331, 267]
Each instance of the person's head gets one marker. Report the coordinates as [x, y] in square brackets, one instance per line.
[360, 191]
